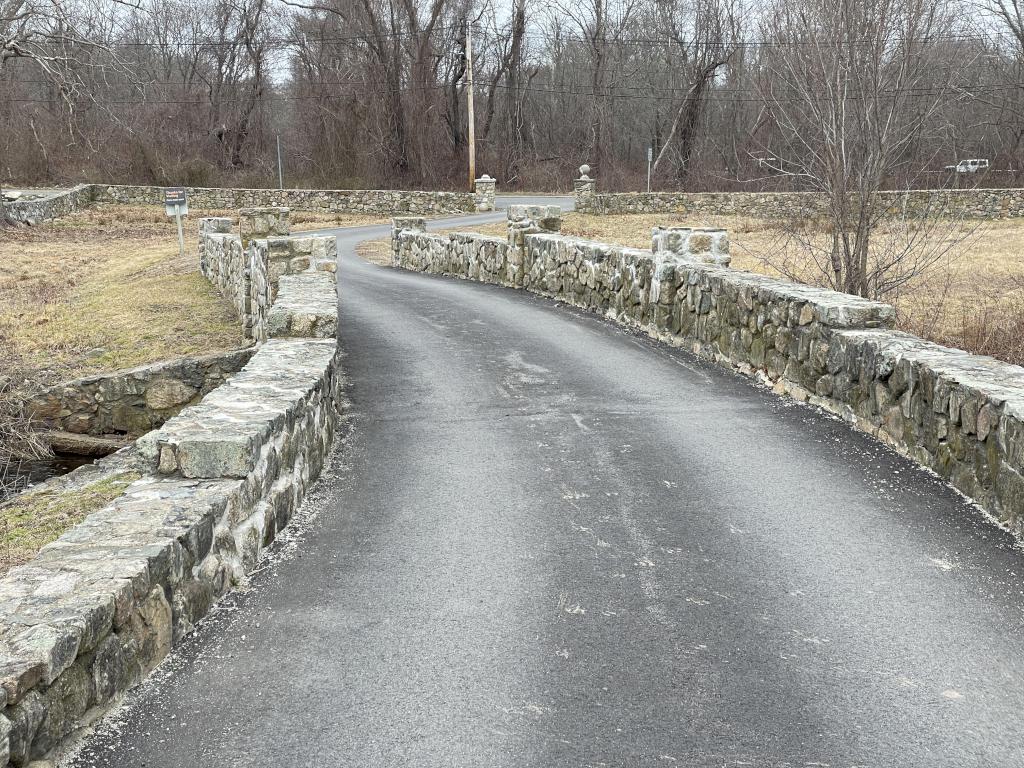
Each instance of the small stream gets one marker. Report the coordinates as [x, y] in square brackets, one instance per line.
[30, 473]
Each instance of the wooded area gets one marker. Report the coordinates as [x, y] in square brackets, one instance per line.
[370, 93]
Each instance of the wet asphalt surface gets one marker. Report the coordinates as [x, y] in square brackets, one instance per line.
[546, 541]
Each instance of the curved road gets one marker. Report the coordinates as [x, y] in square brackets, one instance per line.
[548, 542]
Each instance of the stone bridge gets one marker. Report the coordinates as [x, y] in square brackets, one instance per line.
[560, 530]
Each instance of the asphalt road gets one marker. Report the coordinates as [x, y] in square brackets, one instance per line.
[546, 542]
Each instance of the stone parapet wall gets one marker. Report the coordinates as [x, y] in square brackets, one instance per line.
[292, 380]
[381, 201]
[477, 257]
[970, 203]
[136, 400]
[50, 207]
[230, 267]
[958, 414]
[99, 608]
[96, 610]
[249, 275]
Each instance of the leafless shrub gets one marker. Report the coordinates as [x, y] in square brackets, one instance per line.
[990, 323]
[20, 440]
[904, 250]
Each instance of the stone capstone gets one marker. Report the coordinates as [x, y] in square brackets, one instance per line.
[306, 306]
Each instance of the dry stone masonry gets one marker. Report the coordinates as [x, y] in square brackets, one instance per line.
[968, 203]
[136, 400]
[256, 223]
[375, 201]
[249, 276]
[958, 414]
[100, 607]
[306, 306]
[368, 201]
[51, 206]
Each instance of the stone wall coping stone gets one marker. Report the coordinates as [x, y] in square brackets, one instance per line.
[996, 380]
[306, 306]
[222, 436]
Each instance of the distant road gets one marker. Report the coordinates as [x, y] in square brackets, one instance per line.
[549, 542]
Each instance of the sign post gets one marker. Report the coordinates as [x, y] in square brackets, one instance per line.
[650, 157]
[176, 205]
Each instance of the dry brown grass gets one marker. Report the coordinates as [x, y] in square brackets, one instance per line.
[375, 251]
[303, 221]
[106, 289]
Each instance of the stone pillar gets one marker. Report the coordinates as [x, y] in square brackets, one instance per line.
[485, 188]
[211, 226]
[219, 225]
[532, 219]
[671, 239]
[265, 222]
[584, 189]
[401, 224]
[703, 244]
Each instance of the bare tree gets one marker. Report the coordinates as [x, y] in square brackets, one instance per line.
[705, 35]
[852, 86]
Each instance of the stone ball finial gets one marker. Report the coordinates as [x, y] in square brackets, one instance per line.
[485, 177]
[584, 169]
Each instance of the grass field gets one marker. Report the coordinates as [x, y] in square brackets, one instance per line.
[106, 288]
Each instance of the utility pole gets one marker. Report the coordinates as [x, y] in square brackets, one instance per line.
[472, 122]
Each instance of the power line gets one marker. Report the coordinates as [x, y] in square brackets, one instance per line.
[535, 34]
[715, 95]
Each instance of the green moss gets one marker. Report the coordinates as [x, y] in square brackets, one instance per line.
[36, 518]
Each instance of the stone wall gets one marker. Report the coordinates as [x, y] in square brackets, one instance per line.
[971, 203]
[255, 223]
[134, 401]
[958, 414]
[379, 201]
[233, 270]
[248, 276]
[50, 207]
[97, 609]
[100, 607]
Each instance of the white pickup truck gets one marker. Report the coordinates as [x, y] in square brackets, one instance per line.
[969, 166]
